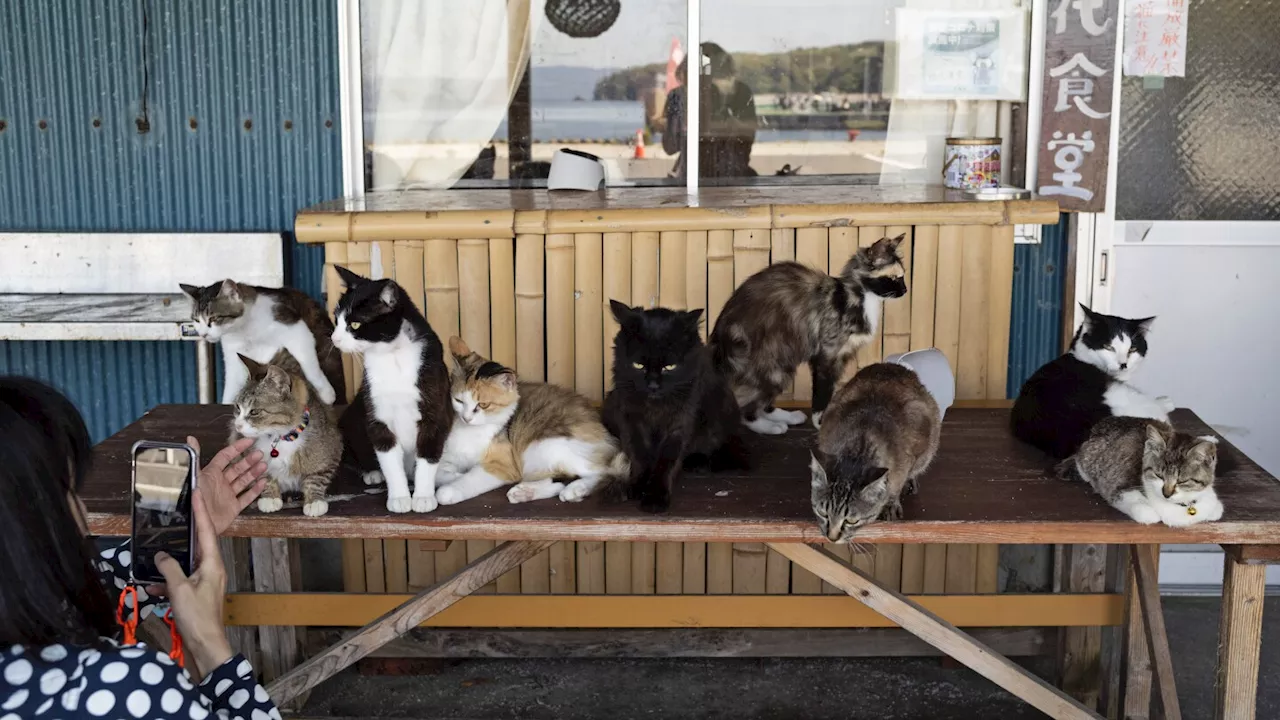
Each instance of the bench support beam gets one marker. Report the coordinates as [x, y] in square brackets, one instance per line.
[1239, 638]
[935, 631]
[1143, 559]
[392, 625]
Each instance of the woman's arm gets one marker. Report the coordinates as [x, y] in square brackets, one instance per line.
[136, 682]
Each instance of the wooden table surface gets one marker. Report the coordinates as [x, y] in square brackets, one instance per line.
[984, 487]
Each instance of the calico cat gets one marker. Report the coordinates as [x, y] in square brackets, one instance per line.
[1065, 398]
[258, 322]
[789, 313]
[879, 435]
[294, 430]
[401, 412]
[1148, 471]
[669, 407]
[524, 434]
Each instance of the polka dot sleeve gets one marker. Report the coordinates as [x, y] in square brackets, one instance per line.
[114, 564]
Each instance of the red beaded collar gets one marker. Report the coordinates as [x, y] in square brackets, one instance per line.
[294, 433]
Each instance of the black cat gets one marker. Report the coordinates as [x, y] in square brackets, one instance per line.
[668, 406]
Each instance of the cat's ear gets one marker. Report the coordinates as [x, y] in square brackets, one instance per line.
[877, 491]
[623, 313]
[276, 377]
[192, 291]
[893, 243]
[388, 295]
[229, 290]
[1142, 326]
[257, 370]
[818, 474]
[459, 349]
[349, 278]
[1155, 443]
[1205, 449]
[692, 318]
[507, 381]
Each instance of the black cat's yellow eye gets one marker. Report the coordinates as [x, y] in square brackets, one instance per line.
[355, 326]
[668, 368]
[638, 366]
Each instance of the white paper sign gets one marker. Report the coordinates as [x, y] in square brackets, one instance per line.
[1155, 38]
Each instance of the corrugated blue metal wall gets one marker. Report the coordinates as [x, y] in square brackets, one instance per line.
[1039, 281]
[242, 102]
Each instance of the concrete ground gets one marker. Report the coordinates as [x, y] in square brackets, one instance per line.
[749, 689]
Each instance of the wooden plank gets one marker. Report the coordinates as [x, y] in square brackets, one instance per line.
[694, 580]
[987, 572]
[719, 568]
[1239, 640]
[670, 568]
[912, 569]
[440, 273]
[564, 575]
[353, 566]
[749, 568]
[560, 315]
[924, 285]
[644, 269]
[782, 243]
[450, 561]
[674, 272]
[887, 564]
[975, 313]
[422, 564]
[617, 286]
[938, 632]
[396, 561]
[502, 301]
[1146, 575]
[696, 274]
[1085, 569]
[477, 549]
[617, 568]
[1136, 662]
[897, 313]
[962, 568]
[719, 273]
[751, 250]
[946, 323]
[845, 553]
[374, 566]
[271, 574]
[873, 351]
[588, 345]
[535, 574]
[1000, 296]
[531, 361]
[643, 568]
[804, 582]
[811, 250]
[475, 643]
[590, 566]
[777, 573]
[237, 555]
[678, 611]
[1254, 554]
[400, 620]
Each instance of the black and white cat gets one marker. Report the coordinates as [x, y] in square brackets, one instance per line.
[404, 400]
[1059, 405]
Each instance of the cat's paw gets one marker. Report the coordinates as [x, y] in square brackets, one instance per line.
[527, 492]
[786, 417]
[816, 419]
[425, 503]
[765, 426]
[399, 504]
[270, 505]
[575, 491]
[449, 495]
[315, 508]
[913, 486]
[1144, 514]
[373, 478]
[327, 395]
[1165, 403]
[892, 511]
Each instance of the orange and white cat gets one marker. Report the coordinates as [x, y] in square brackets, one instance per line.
[542, 440]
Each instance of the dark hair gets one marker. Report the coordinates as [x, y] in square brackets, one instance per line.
[52, 591]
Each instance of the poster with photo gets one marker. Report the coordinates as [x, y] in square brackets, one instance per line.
[961, 55]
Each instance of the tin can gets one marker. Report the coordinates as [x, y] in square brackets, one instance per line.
[972, 163]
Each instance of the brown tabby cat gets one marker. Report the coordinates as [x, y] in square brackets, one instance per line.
[524, 434]
[789, 313]
[296, 433]
[879, 436]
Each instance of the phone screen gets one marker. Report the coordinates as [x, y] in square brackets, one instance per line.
[163, 479]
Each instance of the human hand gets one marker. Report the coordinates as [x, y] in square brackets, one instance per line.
[198, 600]
[229, 487]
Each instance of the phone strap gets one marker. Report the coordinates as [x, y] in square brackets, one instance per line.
[127, 617]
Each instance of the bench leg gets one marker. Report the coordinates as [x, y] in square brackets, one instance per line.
[411, 614]
[1083, 570]
[1137, 658]
[935, 631]
[235, 555]
[1239, 639]
[272, 573]
[1143, 558]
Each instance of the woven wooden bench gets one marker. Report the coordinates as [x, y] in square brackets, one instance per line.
[985, 488]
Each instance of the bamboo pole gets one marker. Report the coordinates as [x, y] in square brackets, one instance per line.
[617, 286]
[502, 301]
[560, 316]
[531, 361]
[588, 306]
[873, 351]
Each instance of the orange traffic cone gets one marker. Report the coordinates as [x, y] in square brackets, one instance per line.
[639, 145]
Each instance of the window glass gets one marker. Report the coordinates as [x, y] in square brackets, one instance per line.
[853, 90]
[481, 93]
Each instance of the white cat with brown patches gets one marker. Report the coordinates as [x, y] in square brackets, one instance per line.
[530, 436]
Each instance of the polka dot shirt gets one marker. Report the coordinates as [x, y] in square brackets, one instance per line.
[123, 681]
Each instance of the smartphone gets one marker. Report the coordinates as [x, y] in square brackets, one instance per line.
[164, 476]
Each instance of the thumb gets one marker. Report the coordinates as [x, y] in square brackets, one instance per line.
[171, 570]
[194, 443]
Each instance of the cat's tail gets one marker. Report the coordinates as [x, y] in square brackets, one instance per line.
[616, 484]
[1067, 470]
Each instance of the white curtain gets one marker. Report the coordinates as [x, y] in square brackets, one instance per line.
[915, 146]
[438, 76]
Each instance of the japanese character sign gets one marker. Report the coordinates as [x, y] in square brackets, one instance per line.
[1076, 122]
[1155, 38]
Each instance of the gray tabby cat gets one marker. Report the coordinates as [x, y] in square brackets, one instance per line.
[879, 436]
[294, 429]
[789, 313]
[1148, 471]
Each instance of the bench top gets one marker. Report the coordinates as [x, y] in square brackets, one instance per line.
[984, 487]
